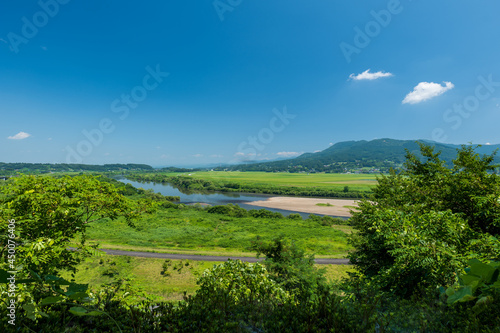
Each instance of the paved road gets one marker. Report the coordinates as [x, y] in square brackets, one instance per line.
[208, 258]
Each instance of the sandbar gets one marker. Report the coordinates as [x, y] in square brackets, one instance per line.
[340, 207]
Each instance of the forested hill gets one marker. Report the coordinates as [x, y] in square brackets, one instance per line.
[7, 168]
[380, 155]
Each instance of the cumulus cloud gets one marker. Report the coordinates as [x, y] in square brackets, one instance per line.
[288, 154]
[366, 75]
[19, 136]
[427, 90]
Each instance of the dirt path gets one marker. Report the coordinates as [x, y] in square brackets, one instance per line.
[208, 258]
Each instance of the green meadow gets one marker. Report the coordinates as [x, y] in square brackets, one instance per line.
[333, 181]
[157, 279]
[186, 229]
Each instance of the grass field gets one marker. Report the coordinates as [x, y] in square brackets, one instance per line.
[356, 182]
[144, 274]
[189, 229]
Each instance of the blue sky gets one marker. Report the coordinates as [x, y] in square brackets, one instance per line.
[198, 82]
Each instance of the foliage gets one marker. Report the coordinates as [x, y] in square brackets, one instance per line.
[424, 223]
[291, 184]
[50, 212]
[328, 221]
[47, 214]
[378, 155]
[235, 282]
[221, 229]
[14, 168]
[481, 282]
[228, 210]
[291, 267]
[411, 250]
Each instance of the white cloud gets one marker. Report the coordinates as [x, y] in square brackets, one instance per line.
[288, 154]
[19, 136]
[216, 156]
[366, 75]
[198, 155]
[488, 144]
[240, 154]
[427, 90]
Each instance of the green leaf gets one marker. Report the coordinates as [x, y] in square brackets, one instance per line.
[43, 314]
[80, 296]
[94, 313]
[78, 311]
[51, 300]
[478, 268]
[60, 281]
[30, 311]
[464, 294]
[76, 288]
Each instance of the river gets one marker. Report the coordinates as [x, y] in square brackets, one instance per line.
[216, 198]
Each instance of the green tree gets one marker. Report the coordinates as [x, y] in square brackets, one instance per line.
[424, 223]
[289, 265]
[46, 215]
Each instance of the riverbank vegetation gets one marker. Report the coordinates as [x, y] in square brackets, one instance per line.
[425, 252]
[221, 229]
[307, 185]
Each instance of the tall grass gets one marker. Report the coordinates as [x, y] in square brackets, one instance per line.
[197, 230]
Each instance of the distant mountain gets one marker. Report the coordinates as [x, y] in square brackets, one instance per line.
[62, 167]
[380, 154]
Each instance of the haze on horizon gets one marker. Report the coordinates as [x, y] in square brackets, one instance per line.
[169, 83]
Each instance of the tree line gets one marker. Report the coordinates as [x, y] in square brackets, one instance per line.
[192, 184]
[426, 255]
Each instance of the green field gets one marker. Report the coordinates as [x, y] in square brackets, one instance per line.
[334, 181]
[144, 275]
[193, 230]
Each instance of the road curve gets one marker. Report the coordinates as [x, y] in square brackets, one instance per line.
[208, 258]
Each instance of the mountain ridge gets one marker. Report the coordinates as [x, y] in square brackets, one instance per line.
[381, 154]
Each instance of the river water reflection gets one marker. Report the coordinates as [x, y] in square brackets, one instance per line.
[215, 198]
